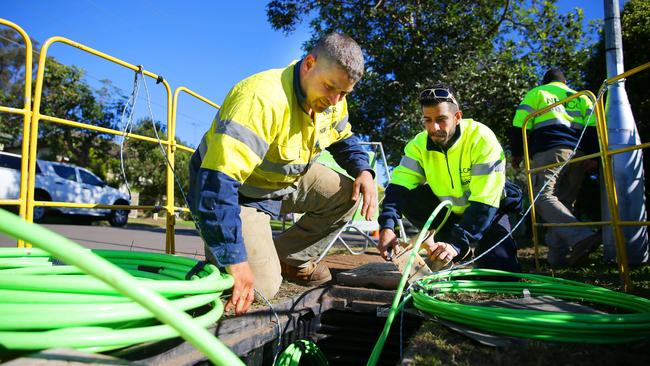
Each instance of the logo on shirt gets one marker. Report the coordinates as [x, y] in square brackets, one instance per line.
[465, 176]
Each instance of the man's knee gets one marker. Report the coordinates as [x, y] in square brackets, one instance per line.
[268, 286]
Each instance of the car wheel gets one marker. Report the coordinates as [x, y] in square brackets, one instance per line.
[39, 211]
[118, 218]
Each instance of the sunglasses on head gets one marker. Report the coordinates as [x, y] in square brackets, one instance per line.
[438, 93]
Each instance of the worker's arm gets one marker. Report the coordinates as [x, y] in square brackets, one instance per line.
[526, 107]
[516, 146]
[236, 144]
[350, 155]
[406, 176]
[476, 219]
[217, 214]
[391, 212]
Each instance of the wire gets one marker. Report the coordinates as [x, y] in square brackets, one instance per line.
[162, 149]
[128, 127]
[278, 348]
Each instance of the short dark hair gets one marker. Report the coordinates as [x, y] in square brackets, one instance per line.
[343, 50]
[429, 98]
[553, 75]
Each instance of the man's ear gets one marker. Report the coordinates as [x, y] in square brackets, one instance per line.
[458, 115]
[309, 62]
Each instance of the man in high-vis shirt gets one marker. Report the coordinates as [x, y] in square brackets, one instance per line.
[552, 137]
[257, 161]
[459, 160]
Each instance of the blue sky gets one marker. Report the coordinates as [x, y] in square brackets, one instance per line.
[206, 46]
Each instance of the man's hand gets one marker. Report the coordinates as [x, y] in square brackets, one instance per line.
[515, 161]
[243, 291]
[366, 184]
[440, 254]
[387, 240]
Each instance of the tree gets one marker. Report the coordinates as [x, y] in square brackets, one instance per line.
[491, 51]
[12, 84]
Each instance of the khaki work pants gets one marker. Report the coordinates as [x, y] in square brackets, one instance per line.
[555, 203]
[323, 195]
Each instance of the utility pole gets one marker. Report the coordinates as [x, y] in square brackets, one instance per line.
[627, 167]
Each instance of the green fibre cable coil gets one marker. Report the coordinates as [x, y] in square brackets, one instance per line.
[631, 325]
[302, 352]
[45, 304]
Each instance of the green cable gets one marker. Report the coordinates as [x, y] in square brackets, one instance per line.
[535, 324]
[303, 352]
[112, 282]
[395, 306]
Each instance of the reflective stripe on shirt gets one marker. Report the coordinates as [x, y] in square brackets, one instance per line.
[411, 164]
[488, 168]
[244, 135]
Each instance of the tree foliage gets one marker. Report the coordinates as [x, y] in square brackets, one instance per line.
[491, 51]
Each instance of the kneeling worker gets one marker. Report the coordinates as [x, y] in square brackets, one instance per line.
[459, 160]
[257, 161]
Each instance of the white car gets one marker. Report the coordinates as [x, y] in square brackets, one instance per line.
[64, 183]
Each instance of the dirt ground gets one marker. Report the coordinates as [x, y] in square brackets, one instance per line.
[435, 344]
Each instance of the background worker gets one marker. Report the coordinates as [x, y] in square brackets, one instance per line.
[459, 160]
[553, 137]
[257, 161]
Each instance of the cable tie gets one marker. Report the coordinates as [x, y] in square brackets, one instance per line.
[151, 269]
[198, 267]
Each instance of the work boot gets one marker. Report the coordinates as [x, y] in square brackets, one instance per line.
[310, 274]
[580, 250]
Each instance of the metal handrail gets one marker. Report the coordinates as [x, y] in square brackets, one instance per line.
[26, 111]
[605, 155]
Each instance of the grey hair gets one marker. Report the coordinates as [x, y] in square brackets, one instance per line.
[344, 51]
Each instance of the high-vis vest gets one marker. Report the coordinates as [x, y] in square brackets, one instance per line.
[472, 169]
[264, 139]
[572, 114]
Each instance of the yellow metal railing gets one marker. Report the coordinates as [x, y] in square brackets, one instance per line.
[36, 117]
[26, 112]
[610, 186]
[32, 117]
[171, 246]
